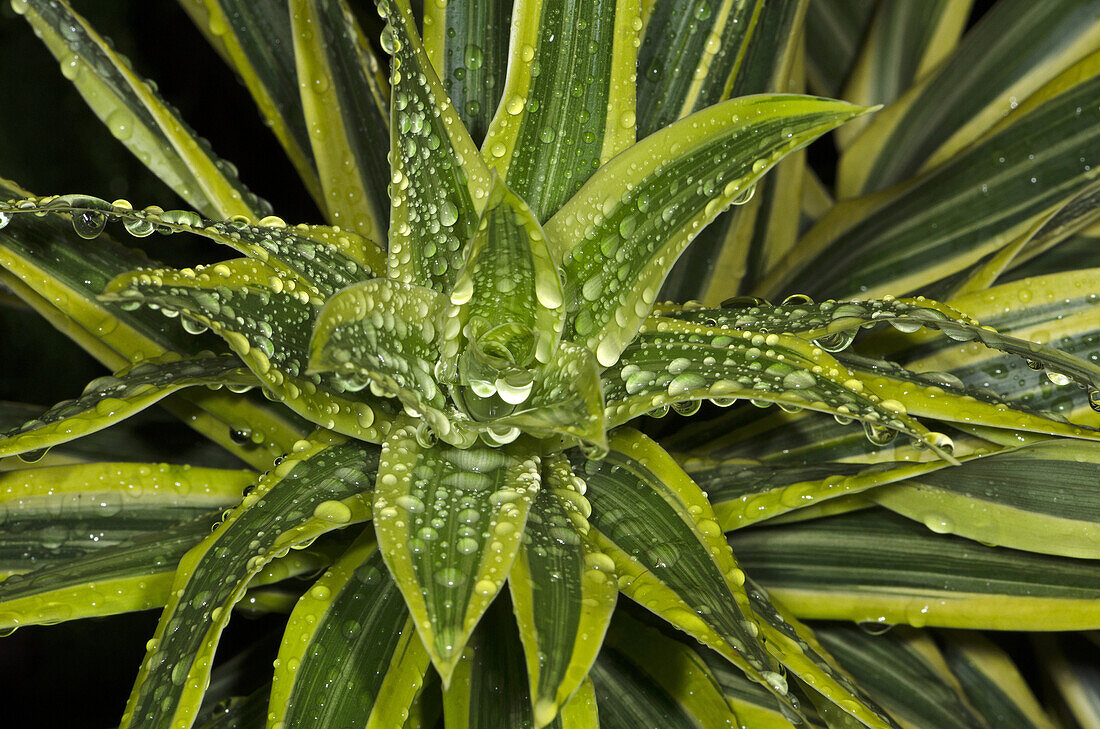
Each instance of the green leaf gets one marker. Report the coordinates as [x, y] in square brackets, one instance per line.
[449, 524]
[269, 327]
[832, 326]
[1040, 498]
[60, 274]
[992, 683]
[934, 395]
[241, 712]
[1012, 52]
[1072, 666]
[1076, 251]
[136, 439]
[318, 488]
[663, 540]
[467, 43]
[350, 653]
[905, 41]
[396, 350]
[435, 198]
[561, 117]
[674, 692]
[320, 259]
[731, 253]
[803, 656]
[489, 688]
[672, 362]
[664, 671]
[137, 116]
[1058, 308]
[881, 568]
[132, 575]
[693, 56]
[1074, 215]
[562, 602]
[745, 491]
[941, 223]
[60, 512]
[507, 300]
[904, 671]
[834, 31]
[347, 112]
[619, 235]
[255, 39]
[109, 399]
[752, 704]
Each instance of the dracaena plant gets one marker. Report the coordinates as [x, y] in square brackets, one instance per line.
[457, 366]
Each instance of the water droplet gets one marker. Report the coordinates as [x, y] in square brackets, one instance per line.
[448, 213]
[89, 223]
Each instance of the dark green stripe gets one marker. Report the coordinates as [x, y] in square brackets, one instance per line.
[834, 32]
[873, 551]
[561, 137]
[556, 566]
[984, 694]
[366, 127]
[475, 59]
[1013, 38]
[262, 28]
[629, 510]
[1062, 488]
[1025, 168]
[349, 653]
[334, 473]
[498, 676]
[899, 677]
[155, 552]
[675, 41]
[628, 698]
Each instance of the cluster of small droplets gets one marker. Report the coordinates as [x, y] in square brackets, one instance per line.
[603, 269]
[301, 252]
[799, 314]
[479, 498]
[427, 228]
[311, 503]
[269, 330]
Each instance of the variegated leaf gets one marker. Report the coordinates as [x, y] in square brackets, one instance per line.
[449, 524]
[567, 105]
[489, 688]
[1012, 52]
[109, 399]
[438, 182]
[61, 282]
[905, 672]
[137, 116]
[350, 653]
[874, 566]
[467, 43]
[954, 215]
[347, 113]
[619, 235]
[255, 39]
[269, 328]
[562, 602]
[318, 488]
[661, 536]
